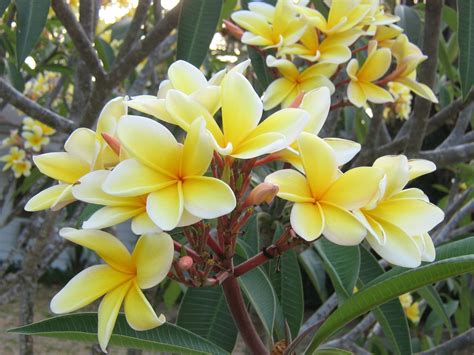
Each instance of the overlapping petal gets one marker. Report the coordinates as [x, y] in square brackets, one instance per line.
[342, 227]
[62, 166]
[57, 195]
[138, 311]
[292, 185]
[165, 206]
[307, 220]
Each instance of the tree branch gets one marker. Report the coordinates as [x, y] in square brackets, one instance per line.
[450, 155]
[135, 27]
[461, 342]
[419, 118]
[80, 39]
[31, 108]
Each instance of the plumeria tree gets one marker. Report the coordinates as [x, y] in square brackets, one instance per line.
[233, 176]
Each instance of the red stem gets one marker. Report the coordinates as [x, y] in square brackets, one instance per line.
[215, 247]
[241, 316]
[360, 49]
[178, 247]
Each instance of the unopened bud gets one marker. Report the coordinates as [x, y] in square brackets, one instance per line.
[297, 101]
[113, 142]
[233, 29]
[185, 262]
[264, 192]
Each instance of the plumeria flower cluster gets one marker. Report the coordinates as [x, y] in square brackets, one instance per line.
[309, 50]
[201, 186]
[34, 137]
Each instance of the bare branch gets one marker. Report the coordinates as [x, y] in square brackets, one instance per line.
[462, 230]
[322, 313]
[450, 155]
[464, 341]
[444, 232]
[427, 74]
[161, 30]
[31, 108]
[133, 32]
[79, 38]
[462, 123]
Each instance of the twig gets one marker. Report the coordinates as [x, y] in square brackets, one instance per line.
[450, 155]
[464, 341]
[427, 75]
[133, 32]
[443, 233]
[31, 108]
[80, 38]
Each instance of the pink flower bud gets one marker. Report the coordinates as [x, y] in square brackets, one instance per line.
[113, 142]
[233, 29]
[264, 192]
[185, 262]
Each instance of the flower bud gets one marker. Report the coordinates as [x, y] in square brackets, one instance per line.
[264, 192]
[113, 142]
[233, 29]
[185, 262]
[297, 101]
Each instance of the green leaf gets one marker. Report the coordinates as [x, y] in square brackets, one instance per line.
[260, 68]
[259, 291]
[227, 8]
[171, 294]
[286, 279]
[15, 76]
[87, 212]
[313, 266]
[390, 315]
[3, 6]
[431, 296]
[197, 24]
[83, 327]
[453, 259]
[445, 61]
[466, 44]
[251, 235]
[410, 22]
[30, 20]
[204, 311]
[332, 351]
[106, 53]
[342, 264]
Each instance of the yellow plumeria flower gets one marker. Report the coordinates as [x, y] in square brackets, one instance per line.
[398, 219]
[325, 198]
[333, 49]
[35, 139]
[408, 58]
[190, 81]
[411, 309]
[85, 151]
[270, 26]
[317, 103]
[15, 154]
[241, 135]
[377, 16]
[343, 15]
[385, 35]
[285, 89]
[117, 209]
[361, 87]
[119, 280]
[170, 173]
[401, 106]
[12, 139]
[29, 123]
[21, 168]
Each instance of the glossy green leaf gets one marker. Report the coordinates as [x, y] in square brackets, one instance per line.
[313, 266]
[30, 21]
[285, 275]
[15, 76]
[259, 291]
[431, 296]
[251, 235]
[333, 351]
[453, 259]
[410, 22]
[83, 327]
[466, 44]
[263, 73]
[106, 53]
[342, 264]
[172, 292]
[197, 24]
[3, 6]
[204, 311]
[390, 315]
